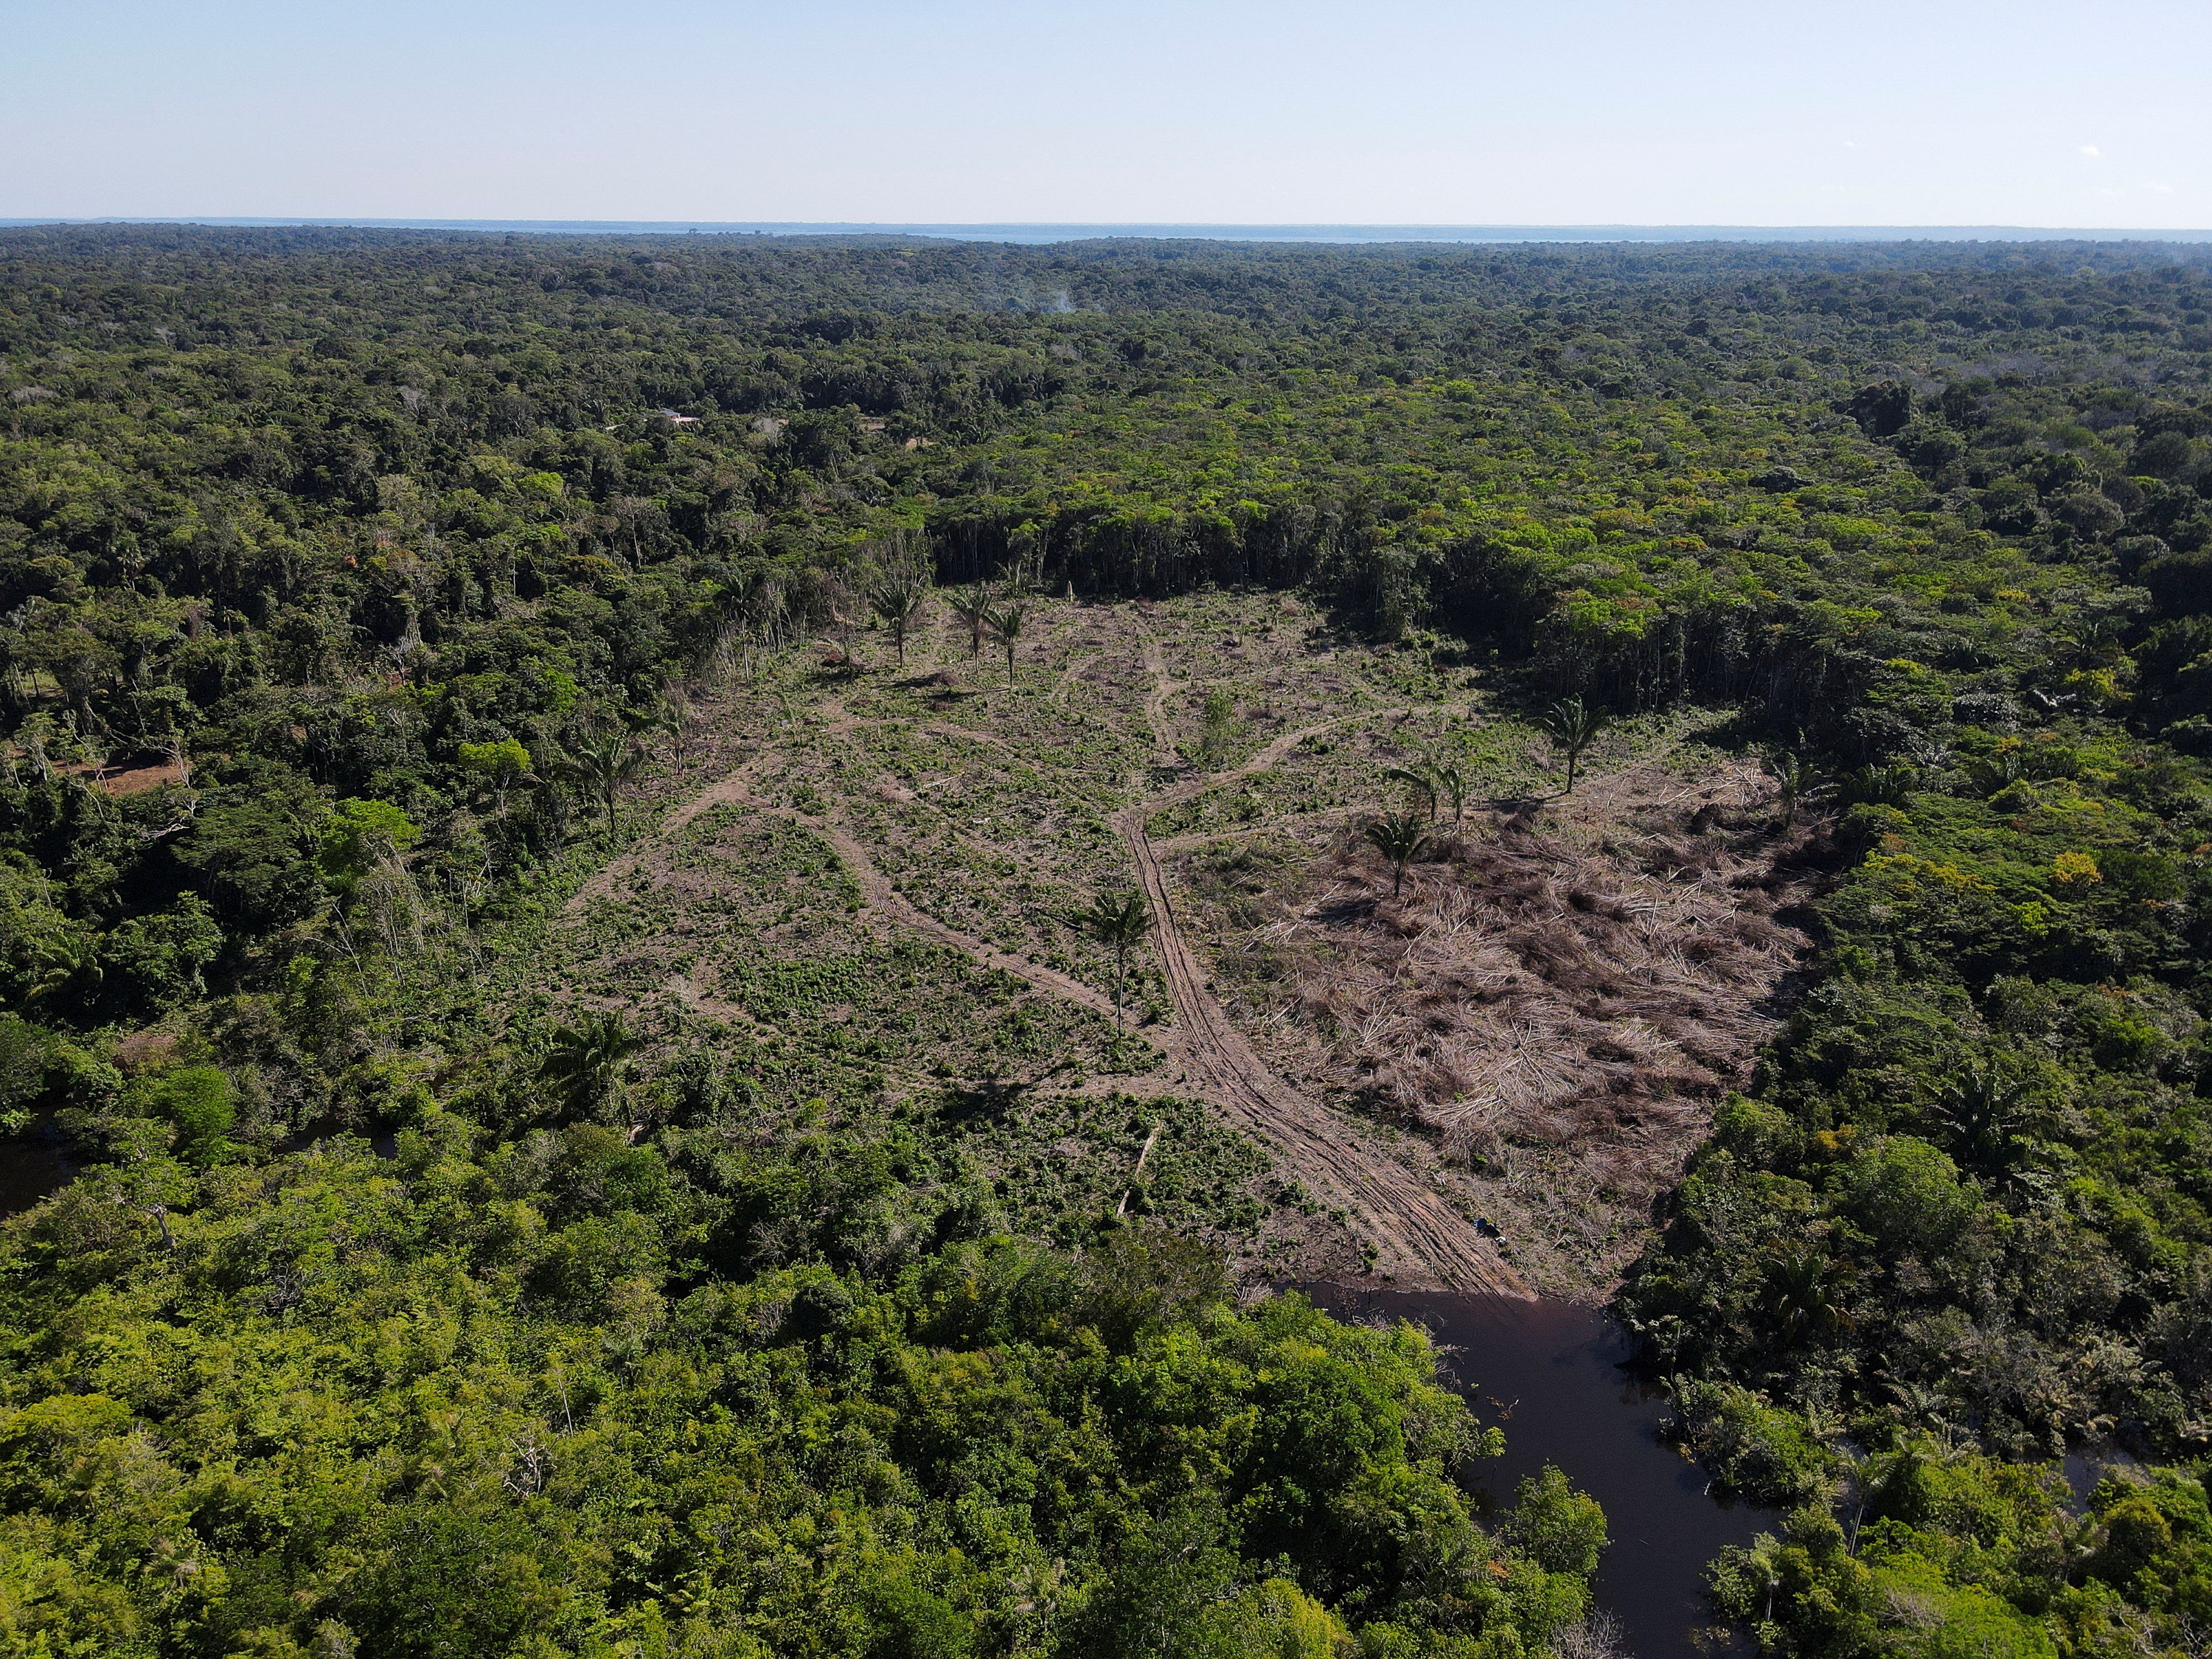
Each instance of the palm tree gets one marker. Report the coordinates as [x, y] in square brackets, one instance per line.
[586, 1062]
[1762, 1562]
[61, 958]
[668, 714]
[1120, 924]
[1452, 782]
[1573, 724]
[973, 606]
[1994, 773]
[1793, 782]
[1986, 1106]
[1006, 624]
[1900, 1481]
[600, 762]
[1803, 1296]
[2096, 639]
[898, 603]
[1433, 782]
[1881, 785]
[1400, 838]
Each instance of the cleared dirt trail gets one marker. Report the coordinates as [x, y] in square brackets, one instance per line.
[1419, 1238]
[875, 888]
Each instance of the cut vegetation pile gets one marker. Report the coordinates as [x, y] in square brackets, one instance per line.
[1589, 975]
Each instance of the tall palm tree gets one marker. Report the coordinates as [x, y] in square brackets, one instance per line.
[1006, 624]
[1400, 838]
[1987, 1106]
[585, 1063]
[898, 603]
[973, 606]
[1121, 924]
[600, 761]
[1573, 725]
[1803, 1294]
[1762, 1561]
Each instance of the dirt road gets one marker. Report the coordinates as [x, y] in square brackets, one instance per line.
[1419, 1238]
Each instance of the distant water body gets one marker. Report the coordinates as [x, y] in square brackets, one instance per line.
[1037, 233]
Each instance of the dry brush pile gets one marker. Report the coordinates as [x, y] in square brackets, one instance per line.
[1589, 977]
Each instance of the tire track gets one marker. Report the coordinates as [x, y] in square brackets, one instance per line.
[1419, 1235]
[1164, 753]
[875, 888]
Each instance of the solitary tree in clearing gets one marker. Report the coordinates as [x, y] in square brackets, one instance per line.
[1451, 782]
[1006, 624]
[1121, 925]
[1400, 838]
[898, 603]
[600, 762]
[1432, 783]
[1573, 724]
[973, 606]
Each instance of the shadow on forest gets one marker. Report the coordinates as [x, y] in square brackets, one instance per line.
[991, 1099]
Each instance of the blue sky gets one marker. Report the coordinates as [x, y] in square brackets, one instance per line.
[1944, 112]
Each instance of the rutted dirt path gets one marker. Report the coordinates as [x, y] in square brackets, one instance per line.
[1164, 752]
[736, 789]
[1418, 1237]
[1416, 1234]
[875, 888]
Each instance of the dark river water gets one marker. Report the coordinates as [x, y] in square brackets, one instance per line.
[1550, 1375]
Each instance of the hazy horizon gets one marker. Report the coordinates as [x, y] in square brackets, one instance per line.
[1045, 232]
[1716, 113]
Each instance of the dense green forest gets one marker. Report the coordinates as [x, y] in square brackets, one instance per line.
[347, 581]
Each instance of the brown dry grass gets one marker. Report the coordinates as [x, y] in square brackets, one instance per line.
[1581, 980]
